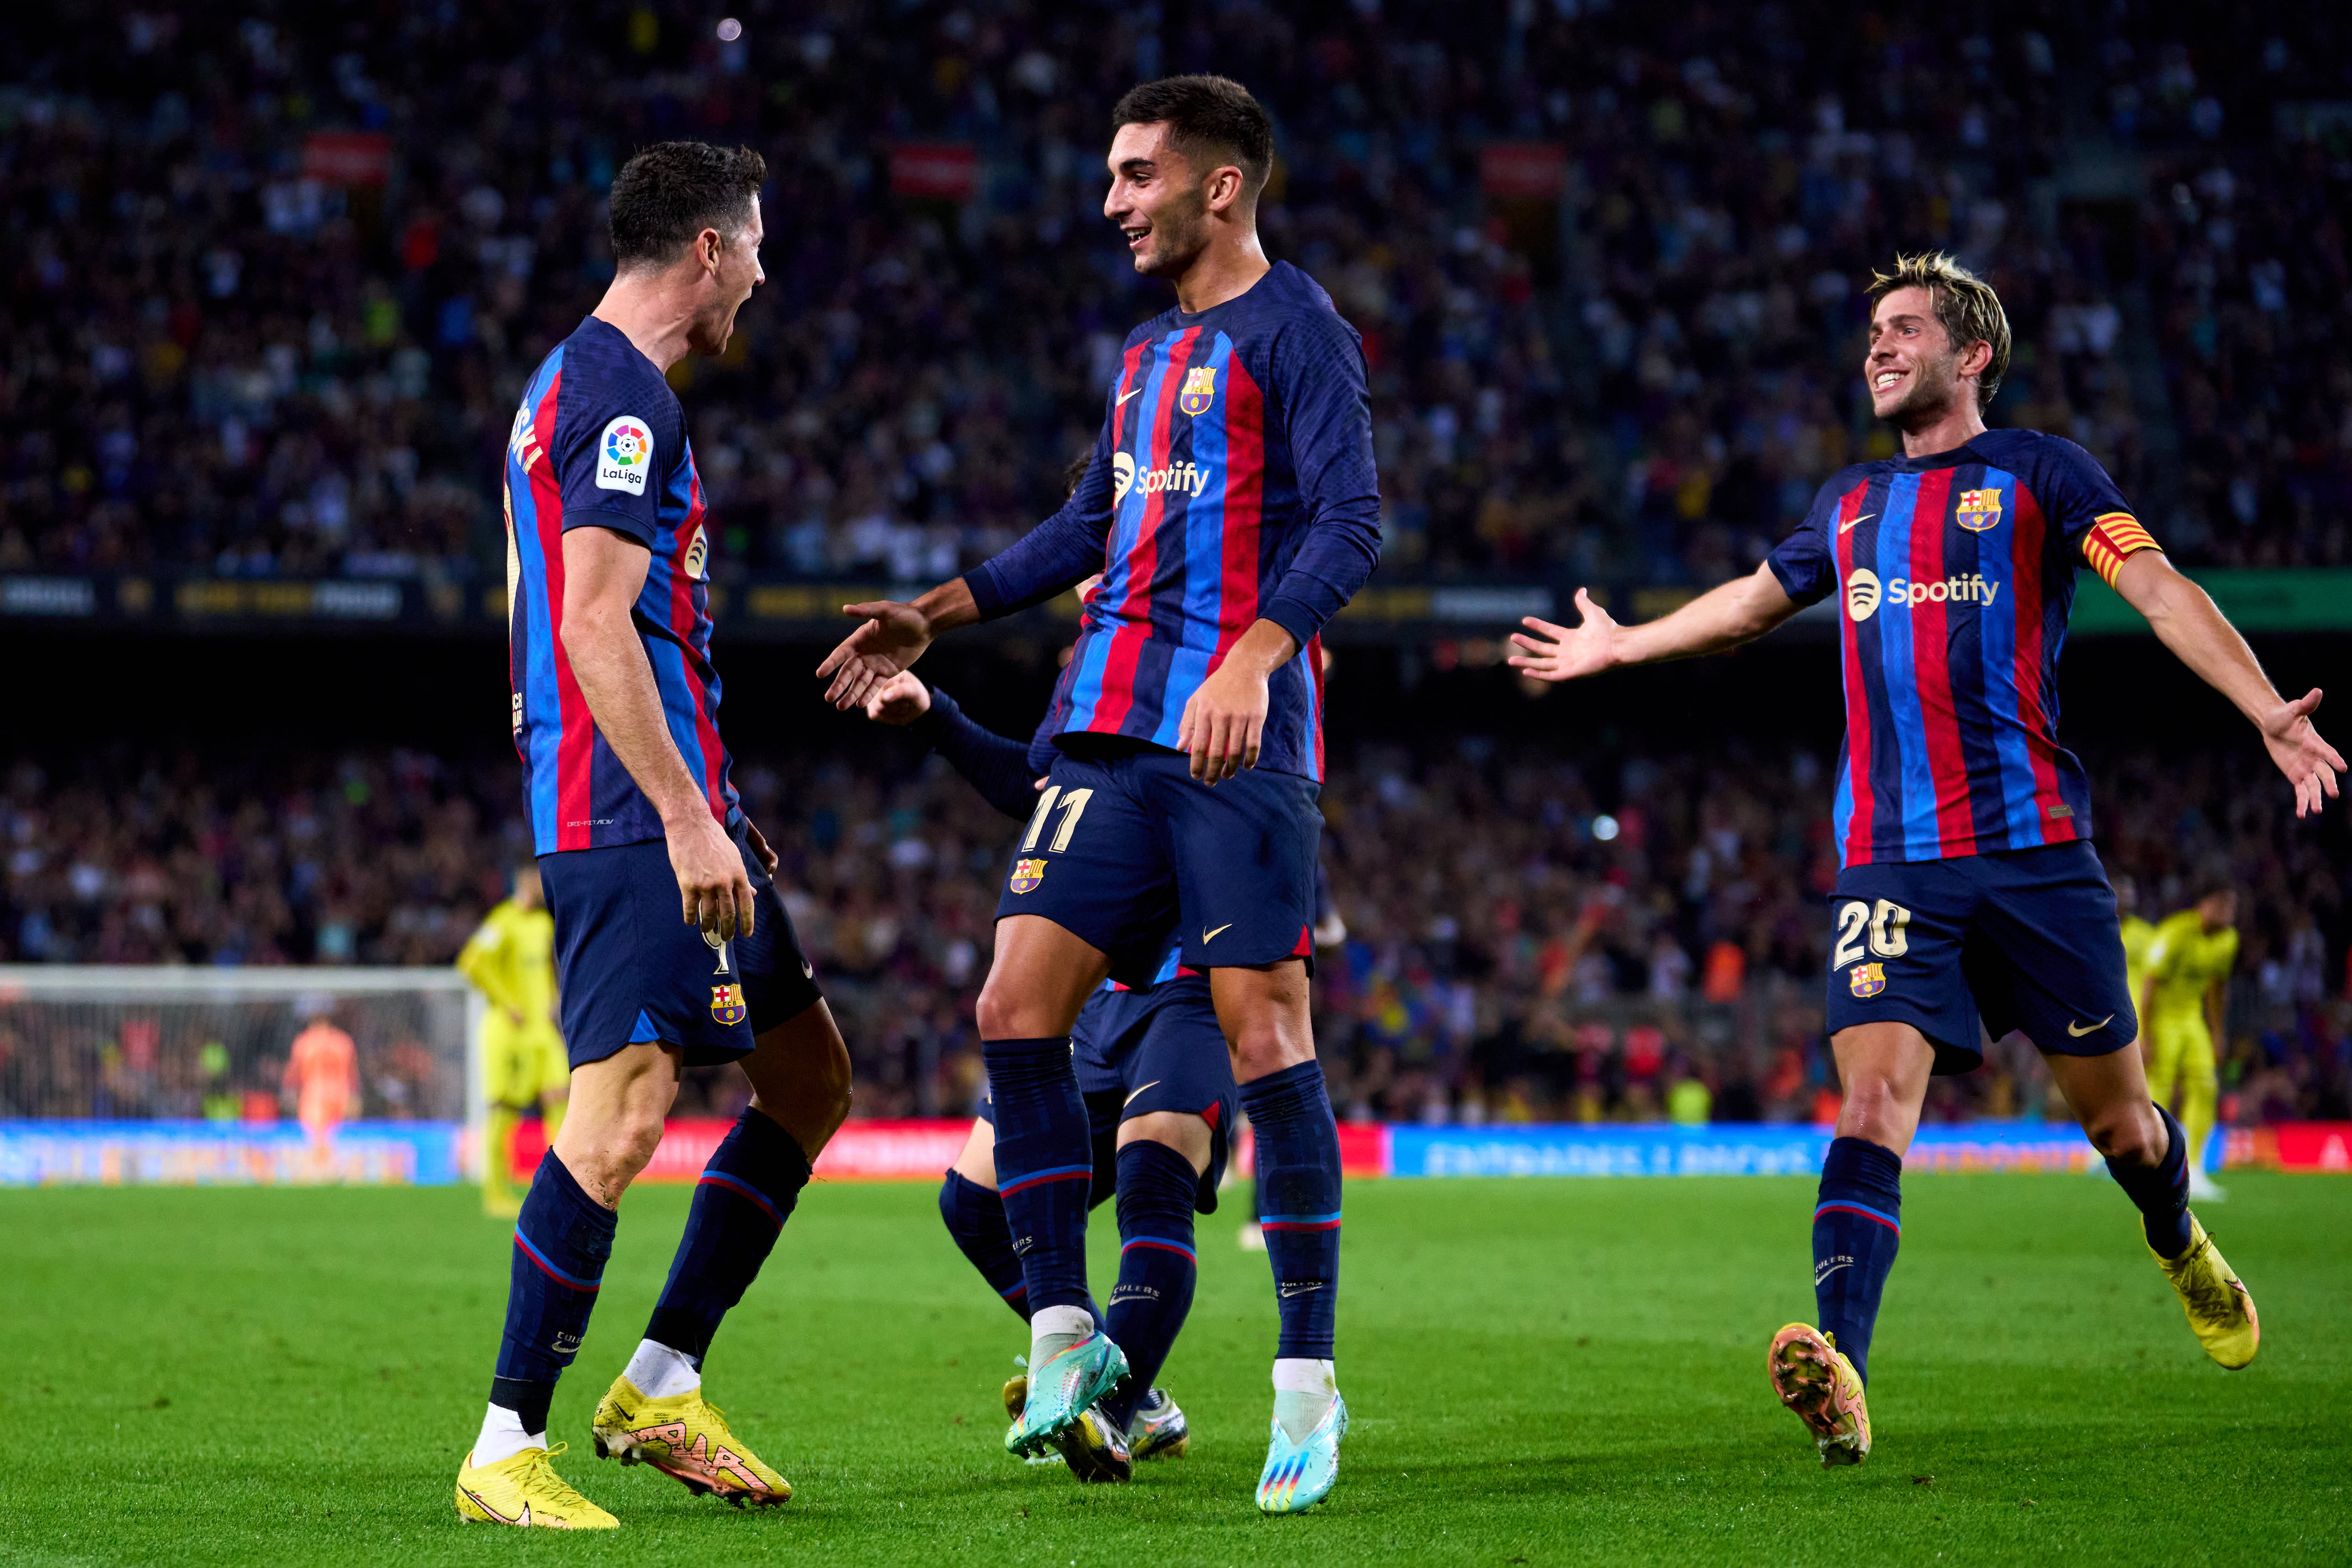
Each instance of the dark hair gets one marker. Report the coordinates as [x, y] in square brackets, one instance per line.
[672, 190]
[2212, 880]
[1075, 472]
[1205, 114]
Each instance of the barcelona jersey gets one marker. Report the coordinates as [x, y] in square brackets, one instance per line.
[1955, 575]
[1232, 482]
[600, 442]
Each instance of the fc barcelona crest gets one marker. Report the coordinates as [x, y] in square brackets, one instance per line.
[1978, 510]
[1027, 874]
[727, 1004]
[1867, 979]
[1200, 391]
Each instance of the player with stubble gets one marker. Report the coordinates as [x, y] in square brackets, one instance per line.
[672, 946]
[1968, 898]
[1232, 508]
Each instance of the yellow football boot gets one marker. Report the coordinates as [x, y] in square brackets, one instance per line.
[2221, 1313]
[684, 1436]
[523, 1488]
[1813, 1378]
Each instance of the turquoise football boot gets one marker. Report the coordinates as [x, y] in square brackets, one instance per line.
[1297, 1476]
[1060, 1391]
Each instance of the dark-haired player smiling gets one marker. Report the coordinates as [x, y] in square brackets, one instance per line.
[1968, 896]
[1232, 509]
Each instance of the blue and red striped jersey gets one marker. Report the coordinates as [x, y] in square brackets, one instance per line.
[1232, 482]
[600, 442]
[1955, 575]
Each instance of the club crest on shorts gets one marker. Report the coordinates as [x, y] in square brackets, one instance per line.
[1027, 874]
[727, 1005]
[1978, 510]
[1867, 979]
[1200, 390]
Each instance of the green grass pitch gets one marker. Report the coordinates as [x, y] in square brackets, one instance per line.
[1540, 1372]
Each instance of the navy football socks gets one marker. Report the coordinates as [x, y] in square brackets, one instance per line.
[746, 1193]
[1299, 1202]
[975, 1218]
[2161, 1192]
[1044, 1164]
[1157, 1264]
[561, 1240]
[1857, 1226]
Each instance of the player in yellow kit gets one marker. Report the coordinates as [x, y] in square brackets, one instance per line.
[2138, 931]
[512, 961]
[2180, 1000]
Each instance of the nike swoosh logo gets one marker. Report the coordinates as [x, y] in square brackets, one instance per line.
[1130, 1098]
[1212, 935]
[1124, 396]
[1301, 1290]
[1849, 528]
[2079, 1029]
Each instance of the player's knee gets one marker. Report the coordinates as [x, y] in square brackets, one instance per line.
[2128, 1134]
[1002, 1015]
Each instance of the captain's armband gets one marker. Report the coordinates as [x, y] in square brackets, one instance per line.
[2115, 536]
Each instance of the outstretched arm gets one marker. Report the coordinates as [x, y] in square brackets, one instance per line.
[1721, 618]
[995, 764]
[2187, 621]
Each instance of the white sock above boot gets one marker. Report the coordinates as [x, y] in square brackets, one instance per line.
[659, 1372]
[1303, 1393]
[1053, 1330]
[503, 1437]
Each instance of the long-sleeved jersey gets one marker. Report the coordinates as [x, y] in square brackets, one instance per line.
[1232, 482]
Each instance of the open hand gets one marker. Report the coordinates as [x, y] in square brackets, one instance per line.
[892, 637]
[2309, 763]
[1563, 653]
[901, 700]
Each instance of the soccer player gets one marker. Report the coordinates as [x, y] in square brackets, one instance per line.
[322, 1073]
[672, 946]
[2182, 1005]
[1232, 509]
[1969, 898]
[1158, 1093]
[512, 961]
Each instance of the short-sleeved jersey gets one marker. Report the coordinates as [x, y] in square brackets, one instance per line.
[1233, 481]
[1955, 575]
[512, 961]
[600, 442]
[2185, 959]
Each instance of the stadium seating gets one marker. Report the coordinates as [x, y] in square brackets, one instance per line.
[277, 282]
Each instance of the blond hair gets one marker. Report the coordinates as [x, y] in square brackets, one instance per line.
[1965, 303]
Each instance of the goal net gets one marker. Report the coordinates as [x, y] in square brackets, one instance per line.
[172, 1074]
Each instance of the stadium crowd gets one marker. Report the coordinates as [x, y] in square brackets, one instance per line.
[243, 338]
[1528, 939]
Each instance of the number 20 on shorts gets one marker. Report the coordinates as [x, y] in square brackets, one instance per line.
[1073, 805]
[1886, 920]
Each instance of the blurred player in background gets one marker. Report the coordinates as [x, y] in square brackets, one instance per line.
[512, 961]
[2137, 931]
[673, 948]
[1232, 509]
[322, 1074]
[2183, 1001]
[1159, 1093]
[1963, 826]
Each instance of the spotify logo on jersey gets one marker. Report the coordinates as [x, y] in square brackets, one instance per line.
[1861, 593]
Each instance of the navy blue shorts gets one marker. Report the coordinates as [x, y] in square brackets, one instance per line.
[1158, 1049]
[1122, 844]
[2021, 940]
[630, 971]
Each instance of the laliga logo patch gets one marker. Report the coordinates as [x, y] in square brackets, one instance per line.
[1861, 593]
[1122, 477]
[1867, 979]
[1027, 874]
[624, 456]
[727, 1005]
[1200, 391]
[698, 555]
[1978, 510]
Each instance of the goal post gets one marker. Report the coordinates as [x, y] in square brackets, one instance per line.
[176, 1073]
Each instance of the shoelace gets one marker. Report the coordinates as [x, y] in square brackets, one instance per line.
[2209, 1289]
[540, 1473]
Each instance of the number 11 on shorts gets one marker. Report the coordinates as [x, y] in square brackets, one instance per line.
[1073, 805]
